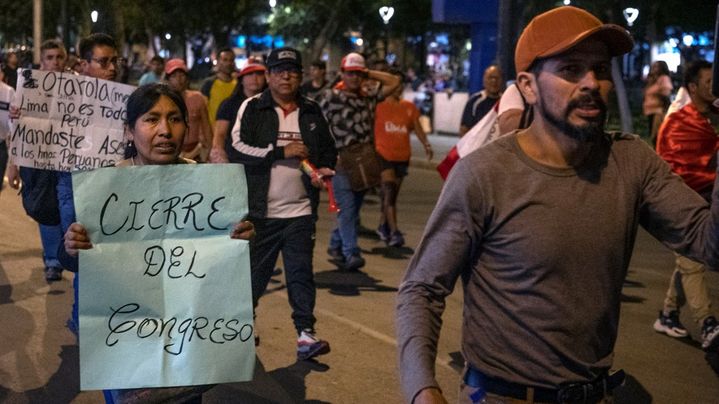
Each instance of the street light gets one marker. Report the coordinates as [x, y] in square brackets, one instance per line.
[630, 14]
[386, 13]
[93, 16]
[688, 40]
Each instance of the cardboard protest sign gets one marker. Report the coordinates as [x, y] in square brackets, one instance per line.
[165, 296]
[68, 122]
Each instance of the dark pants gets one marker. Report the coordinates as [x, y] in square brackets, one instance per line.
[3, 161]
[295, 238]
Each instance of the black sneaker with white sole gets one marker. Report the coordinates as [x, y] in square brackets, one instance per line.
[669, 324]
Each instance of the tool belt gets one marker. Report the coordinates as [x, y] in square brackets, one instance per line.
[587, 392]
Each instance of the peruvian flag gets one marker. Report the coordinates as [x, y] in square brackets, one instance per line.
[486, 130]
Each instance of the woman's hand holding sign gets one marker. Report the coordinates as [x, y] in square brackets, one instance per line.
[76, 239]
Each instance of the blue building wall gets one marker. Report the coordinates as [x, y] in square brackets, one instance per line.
[482, 17]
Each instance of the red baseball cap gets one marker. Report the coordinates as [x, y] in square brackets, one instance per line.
[562, 28]
[174, 64]
[353, 62]
[253, 65]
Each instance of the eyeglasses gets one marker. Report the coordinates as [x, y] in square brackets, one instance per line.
[106, 62]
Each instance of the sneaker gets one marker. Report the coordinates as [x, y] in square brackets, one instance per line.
[353, 263]
[335, 254]
[383, 232]
[710, 332]
[53, 274]
[309, 346]
[396, 240]
[670, 325]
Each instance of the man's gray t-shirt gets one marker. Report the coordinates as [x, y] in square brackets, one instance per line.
[542, 253]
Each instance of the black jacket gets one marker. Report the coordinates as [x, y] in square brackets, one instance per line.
[258, 128]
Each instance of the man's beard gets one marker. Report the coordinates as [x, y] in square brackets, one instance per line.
[589, 132]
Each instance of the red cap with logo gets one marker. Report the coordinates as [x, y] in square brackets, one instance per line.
[253, 65]
[353, 62]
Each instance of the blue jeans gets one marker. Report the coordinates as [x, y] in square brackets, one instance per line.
[67, 217]
[344, 236]
[295, 238]
[51, 237]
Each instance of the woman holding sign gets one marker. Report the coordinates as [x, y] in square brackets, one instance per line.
[155, 129]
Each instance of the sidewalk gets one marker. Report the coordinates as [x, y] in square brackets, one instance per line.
[441, 145]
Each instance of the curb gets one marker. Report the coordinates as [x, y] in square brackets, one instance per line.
[422, 163]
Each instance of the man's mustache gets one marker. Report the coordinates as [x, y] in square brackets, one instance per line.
[587, 100]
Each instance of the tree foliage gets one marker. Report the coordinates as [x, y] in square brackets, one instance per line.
[321, 22]
[317, 21]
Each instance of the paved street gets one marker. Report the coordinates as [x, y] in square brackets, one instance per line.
[355, 311]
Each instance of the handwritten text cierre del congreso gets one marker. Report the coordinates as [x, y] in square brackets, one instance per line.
[174, 213]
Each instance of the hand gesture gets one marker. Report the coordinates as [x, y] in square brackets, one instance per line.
[296, 149]
[14, 112]
[244, 230]
[324, 173]
[428, 151]
[13, 176]
[76, 239]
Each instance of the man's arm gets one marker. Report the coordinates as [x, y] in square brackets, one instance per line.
[206, 136]
[675, 214]
[256, 155]
[217, 153]
[451, 237]
[389, 82]
[419, 131]
[249, 155]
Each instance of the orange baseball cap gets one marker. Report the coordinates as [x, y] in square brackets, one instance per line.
[175, 64]
[562, 28]
[253, 65]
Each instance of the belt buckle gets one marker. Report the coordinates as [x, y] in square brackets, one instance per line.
[576, 392]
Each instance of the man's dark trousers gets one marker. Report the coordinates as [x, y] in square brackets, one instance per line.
[295, 238]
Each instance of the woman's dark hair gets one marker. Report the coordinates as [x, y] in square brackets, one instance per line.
[142, 100]
[663, 70]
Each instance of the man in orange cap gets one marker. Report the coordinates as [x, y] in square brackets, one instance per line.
[540, 225]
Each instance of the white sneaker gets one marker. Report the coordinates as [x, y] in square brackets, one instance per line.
[309, 346]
